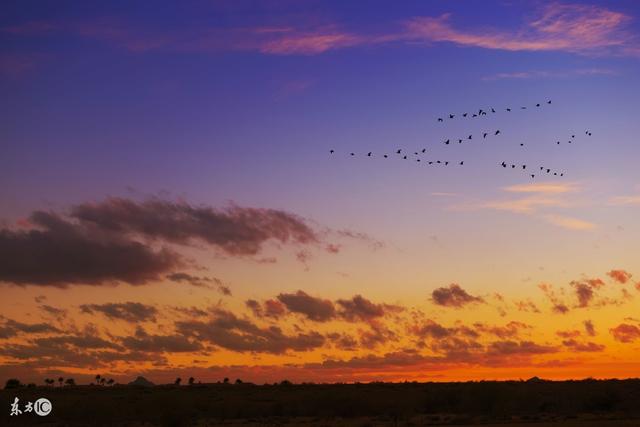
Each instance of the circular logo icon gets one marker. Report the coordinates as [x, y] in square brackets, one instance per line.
[42, 407]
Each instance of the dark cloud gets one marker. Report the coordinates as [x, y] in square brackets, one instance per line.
[625, 332]
[144, 342]
[10, 328]
[518, 348]
[359, 308]
[527, 306]
[270, 308]
[316, 309]
[235, 230]
[228, 331]
[620, 276]
[58, 253]
[121, 240]
[343, 341]
[557, 305]
[128, 311]
[200, 282]
[583, 347]
[58, 313]
[584, 293]
[453, 296]
[376, 335]
[510, 330]
[589, 328]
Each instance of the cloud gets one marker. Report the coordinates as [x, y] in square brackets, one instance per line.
[59, 253]
[589, 328]
[234, 230]
[309, 43]
[527, 306]
[228, 331]
[557, 305]
[543, 188]
[578, 346]
[453, 296]
[313, 308]
[569, 222]
[129, 311]
[584, 293]
[518, 348]
[539, 74]
[620, 276]
[10, 328]
[270, 308]
[122, 240]
[359, 308]
[625, 332]
[200, 282]
[582, 29]
[625, 200]
[144, 342]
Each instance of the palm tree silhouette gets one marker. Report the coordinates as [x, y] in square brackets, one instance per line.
[178, 381]
[60, 380]
[191, 380]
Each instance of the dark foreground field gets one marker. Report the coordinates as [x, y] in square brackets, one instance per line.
[574, 403]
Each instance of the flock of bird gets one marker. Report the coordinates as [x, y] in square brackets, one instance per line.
[406, 155]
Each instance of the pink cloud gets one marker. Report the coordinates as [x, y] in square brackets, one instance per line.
[565, 27]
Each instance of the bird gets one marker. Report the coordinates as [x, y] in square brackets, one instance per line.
[430, 163]
[398, 152]
[589, 134]
[447, 142]
[555, 174]
[521, 145]
[417, 160]
[508, 109]
[537, 105]
[446, 163]
[405, 157]
[548, 170]
[332, 151]
[464, 115]
[492, 110]
[470, 136]
[352, 154]
[558, 142]
[573, 136]
[524, 166]
[484, 135]
[513, 166]
[459, 141]
[438, 161]
[480, 111]
[497, 132]
[541, 167]
[369, 154]
[549, 102]
[533, 175]
[440, 119]
[385, 156]
[523, 108]
[503, 164]
[475, 115]
[415, 153]
[462, 163]
[424, 149]
[562, 174]
[451, 116]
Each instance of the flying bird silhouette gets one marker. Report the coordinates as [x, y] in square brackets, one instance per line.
[332, 151]
[497, 132]
[484, 135]
[440, 119]
[369, 154]
[451, 116]
[398, 152]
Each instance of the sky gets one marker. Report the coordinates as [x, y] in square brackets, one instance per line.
[179, 198]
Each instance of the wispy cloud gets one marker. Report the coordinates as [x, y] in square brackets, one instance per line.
[569, 222]
[584, 29]
[536, 198]
[624, 200]
[575, 28]
[539, 74]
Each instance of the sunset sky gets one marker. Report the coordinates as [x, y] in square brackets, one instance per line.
[169, 205]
